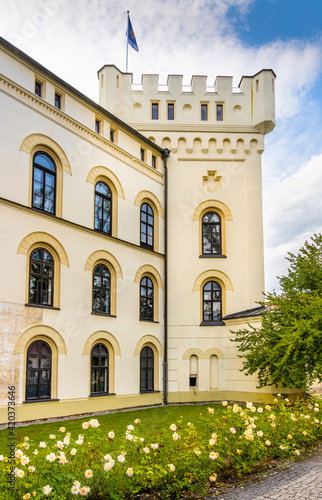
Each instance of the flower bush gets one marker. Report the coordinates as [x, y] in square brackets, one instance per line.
[182, 457]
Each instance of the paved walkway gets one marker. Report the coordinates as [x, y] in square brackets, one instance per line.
[300, 480]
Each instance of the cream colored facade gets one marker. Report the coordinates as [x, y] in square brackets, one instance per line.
[214, 166]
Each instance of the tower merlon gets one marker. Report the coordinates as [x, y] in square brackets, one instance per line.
[253, 105]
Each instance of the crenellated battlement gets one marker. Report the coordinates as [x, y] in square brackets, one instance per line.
[252, 104]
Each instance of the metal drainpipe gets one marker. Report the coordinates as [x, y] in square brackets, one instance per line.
[165, 156]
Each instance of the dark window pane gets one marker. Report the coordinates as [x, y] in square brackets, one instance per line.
[170, 111]
[155, 111]
[99, 369]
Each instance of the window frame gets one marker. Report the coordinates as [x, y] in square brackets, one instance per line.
[144, 298]
[98, 368]
[219, 105]
[39, 369]
[155, 110]
[103, 197]
[171, 105]
[211, 224]
[41, 277]
[148, 369]
[147, 224]
[212, 300]
[42, 87]
[204, 106]
[45, 171]
[102, 289]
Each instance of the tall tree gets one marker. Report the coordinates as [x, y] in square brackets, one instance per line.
[287, 348]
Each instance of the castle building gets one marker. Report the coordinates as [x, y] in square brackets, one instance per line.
[131, 238]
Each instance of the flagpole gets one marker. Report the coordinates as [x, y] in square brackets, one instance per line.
[127, 42]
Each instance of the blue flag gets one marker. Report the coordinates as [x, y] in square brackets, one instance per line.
[131, 40]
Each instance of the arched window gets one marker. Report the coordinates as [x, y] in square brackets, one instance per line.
[146, 369]
[103, 208]
[212, 302]
[99, 369]
[41, 277]
[211, 234]
[146, 299]
[38, 376]
[44, 183]
[101, 289]
[147, 226]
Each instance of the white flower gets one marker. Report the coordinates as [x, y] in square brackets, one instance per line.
[211, 410]
[77, 484]
[121, 458]
[46, 489]
[42, 444]
[35, 452]
[189, 423]
[52, 436]
[66, 440]
[129, 472]
[60, 445]
[171, 467]
[19, 473]
[31, 468]
[259, 433]
[197, 452]
[214, 436]
[62, 429]
[175, 436]
[232, 430]
[154, 446]
[146, 450]
[84, 491]
[282, 447]
[137, 421]
[268, 443]
[75, 490]
[249, 405]
[130, 427]
[107, 457]
[88, 473]
[51, 457]
[212, 442]
[173, 427]
[224, 403]
[94, 423]
[109, 465]
[213, 455]
[260, 410]
[111, 435]
[129, 437]
[142, 440]
[213, 478]
[297, 452]
[85, 425]
[73, 451]
[24, 460]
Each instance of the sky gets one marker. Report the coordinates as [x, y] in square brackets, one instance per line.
[75, 38]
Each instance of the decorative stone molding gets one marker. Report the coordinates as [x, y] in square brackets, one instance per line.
[42, 237]
[194, 351]
[147, 195]
[99, 171]
[212, 273]
[212, 204]
[147, 268]
[148, 339]
[213, 351]
[101, 335]
[100, 255]
[34, 140]
[40, 330]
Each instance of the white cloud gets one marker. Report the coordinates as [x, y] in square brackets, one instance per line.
[292, 214]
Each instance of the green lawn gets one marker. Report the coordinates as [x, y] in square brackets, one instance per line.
[151, 418]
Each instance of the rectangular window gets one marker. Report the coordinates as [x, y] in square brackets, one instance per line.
[220, 112]
[155, 111]
[38, 88]
[97, 126]
[142, 154]
[112, 135]
[154, 161]
[204, 112]
[170, 111]
[58, 101]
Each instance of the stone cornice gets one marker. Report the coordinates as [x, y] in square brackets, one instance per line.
[41, 106]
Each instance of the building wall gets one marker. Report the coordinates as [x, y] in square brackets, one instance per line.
[214, 164]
